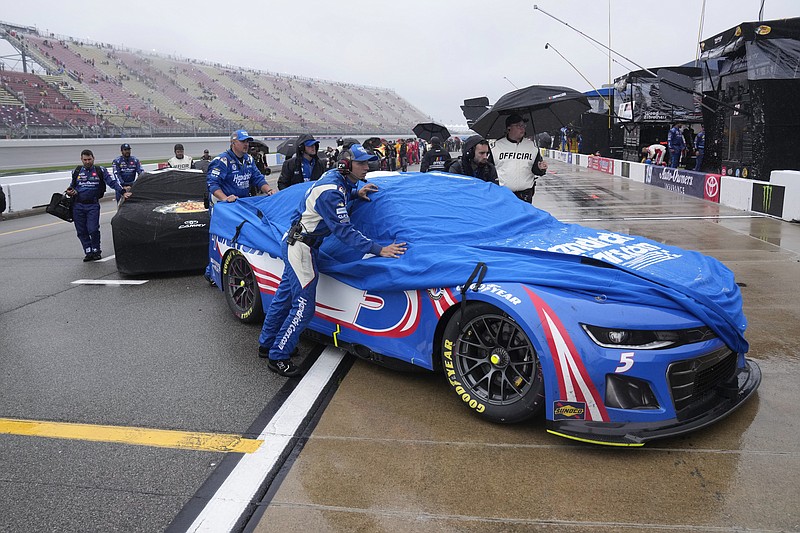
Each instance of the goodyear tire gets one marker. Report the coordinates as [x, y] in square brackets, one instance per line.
[241, 288]
[492, 365]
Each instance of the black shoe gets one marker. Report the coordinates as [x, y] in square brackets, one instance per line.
[97, 256]
[263, 352]
[88, 257]
[211, 282]
[284, 368]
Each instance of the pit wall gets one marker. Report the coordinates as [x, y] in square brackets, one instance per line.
[779, 197]
[29, 191]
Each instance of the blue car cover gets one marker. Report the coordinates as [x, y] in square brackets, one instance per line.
[453, 222]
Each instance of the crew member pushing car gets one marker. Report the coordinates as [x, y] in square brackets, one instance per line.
[86, 189]
[230, 175]
[324, 210]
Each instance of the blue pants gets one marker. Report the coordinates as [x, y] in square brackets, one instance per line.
[209, 273]
[699, 162]
[87, 225]
[674, 158]
[292, 307]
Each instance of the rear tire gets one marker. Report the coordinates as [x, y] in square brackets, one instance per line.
[492, 365]
[241, 288]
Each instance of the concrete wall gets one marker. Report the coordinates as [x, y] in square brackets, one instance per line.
[26, 191]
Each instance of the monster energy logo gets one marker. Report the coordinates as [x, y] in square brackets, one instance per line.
[766, 200]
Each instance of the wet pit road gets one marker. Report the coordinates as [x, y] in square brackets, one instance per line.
[384, 451]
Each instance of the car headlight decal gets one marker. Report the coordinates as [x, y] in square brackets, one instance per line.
[644, 339]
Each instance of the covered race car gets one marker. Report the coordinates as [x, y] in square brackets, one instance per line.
[616, 338]
[163, 226]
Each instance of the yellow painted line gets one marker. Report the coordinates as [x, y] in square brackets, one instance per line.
[32, 228]
[163, 438]
[48, 225]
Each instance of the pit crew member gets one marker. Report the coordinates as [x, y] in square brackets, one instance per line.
[323, 211]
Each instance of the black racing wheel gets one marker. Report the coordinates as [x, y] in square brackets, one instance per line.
[492, 365]
[241, 288]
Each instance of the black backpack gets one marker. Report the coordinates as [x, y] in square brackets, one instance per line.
[99, 170]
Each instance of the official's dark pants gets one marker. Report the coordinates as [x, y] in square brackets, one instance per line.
[293, 304]
[527, 194]
[87, 226]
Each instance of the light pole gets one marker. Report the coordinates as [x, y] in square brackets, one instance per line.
[25, 113]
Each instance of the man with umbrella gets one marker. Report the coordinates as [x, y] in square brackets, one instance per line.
[518, 160]
[304, 165]
[436, 158]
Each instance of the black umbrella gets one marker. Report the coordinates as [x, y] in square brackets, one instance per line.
[288, 147]
[547, 108]
[428, 130]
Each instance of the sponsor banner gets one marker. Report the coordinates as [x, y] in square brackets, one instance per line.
[697, 184]
[560, 156]
[603, 164]
[768, 199]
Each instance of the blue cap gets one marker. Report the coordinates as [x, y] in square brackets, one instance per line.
[241, 135]
[359, 154]
[125, 146]
[310, 142]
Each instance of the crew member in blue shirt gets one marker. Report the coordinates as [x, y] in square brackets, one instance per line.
[87, 187]
[126, 168]
[323, 211]
[700, 148]
[676, 144]
[230, 174]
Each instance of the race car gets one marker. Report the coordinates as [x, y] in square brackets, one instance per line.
[163, 226]
[616, 338]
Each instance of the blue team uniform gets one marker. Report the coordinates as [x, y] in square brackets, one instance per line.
[324, 211]
[86, 204]
[126, 170]
[700, 146]
[676, 144]
[233, 175]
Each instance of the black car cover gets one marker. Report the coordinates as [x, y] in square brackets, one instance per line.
[163, 226]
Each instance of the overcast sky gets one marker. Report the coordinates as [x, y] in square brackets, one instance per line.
[434, 53]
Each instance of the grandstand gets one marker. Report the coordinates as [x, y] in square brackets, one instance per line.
[97, 89]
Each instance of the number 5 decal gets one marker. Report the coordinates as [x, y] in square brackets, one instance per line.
[625, 362]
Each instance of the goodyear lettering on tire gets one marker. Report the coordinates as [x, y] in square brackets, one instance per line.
[227, 262]
[451, 377]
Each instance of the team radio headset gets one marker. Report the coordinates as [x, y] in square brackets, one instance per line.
[344, 166]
